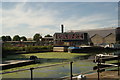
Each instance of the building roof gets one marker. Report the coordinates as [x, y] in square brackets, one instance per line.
[101, 31]
[95, 35]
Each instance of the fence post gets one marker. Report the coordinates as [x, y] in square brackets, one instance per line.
[31, 69]
[118, 65]
[71, 71]
[98, 66]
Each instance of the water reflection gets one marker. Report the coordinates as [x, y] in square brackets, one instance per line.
[79, 66]
[113, 53]
[54, 71]
[116, 53]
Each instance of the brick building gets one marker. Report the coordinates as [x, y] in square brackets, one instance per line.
[47, 41]
[70, 39]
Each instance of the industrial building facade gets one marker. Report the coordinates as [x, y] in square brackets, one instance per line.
[94, 37]
[103, 35]
[70, 39]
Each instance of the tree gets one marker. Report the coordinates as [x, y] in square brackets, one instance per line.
[48, 35]
[37, 37]
[16, 38]
[8, 38]
[23, 38]
[4, 38]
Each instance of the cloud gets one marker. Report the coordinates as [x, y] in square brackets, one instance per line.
[60, 0]
[88, 22]
[12, 18]
[0, 21]
[44, 20]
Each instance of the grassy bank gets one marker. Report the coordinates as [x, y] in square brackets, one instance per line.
[53, 71]
[6, 51]
[57, 55]
[47, 55]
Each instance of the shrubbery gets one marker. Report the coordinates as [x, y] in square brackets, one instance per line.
[12, 50]
[38, 48]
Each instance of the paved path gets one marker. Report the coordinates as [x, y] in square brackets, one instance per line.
[107, 75]
[15, 63]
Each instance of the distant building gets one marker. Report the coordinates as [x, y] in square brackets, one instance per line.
[47, 41]
[75, 38]
[70, 39]
[43, 42]
[102, 36]
[19, 43]
[96, 39]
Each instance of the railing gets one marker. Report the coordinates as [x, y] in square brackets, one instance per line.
[71, 69]
[100, 59]
[33, 68]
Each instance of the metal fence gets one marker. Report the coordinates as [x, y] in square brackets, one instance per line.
[31, 70]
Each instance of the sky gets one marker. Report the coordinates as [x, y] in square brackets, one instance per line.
[28, 18]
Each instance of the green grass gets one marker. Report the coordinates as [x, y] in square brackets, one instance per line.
[45, 72]
[57, 55]
[24, 74]
[48, 55]
[28, 66]
[113, 61]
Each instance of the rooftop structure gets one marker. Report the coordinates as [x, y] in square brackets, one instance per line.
[102, 35]
[100, 31]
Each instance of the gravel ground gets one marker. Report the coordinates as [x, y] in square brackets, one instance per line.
[107, 75]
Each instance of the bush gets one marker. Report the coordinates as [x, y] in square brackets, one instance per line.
[14, 50]
[37, 48]
[10, 50]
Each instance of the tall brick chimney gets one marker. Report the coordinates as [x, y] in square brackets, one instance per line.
[62, 28]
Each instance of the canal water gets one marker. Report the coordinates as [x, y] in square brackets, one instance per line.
[58, 71]
[79, 66]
